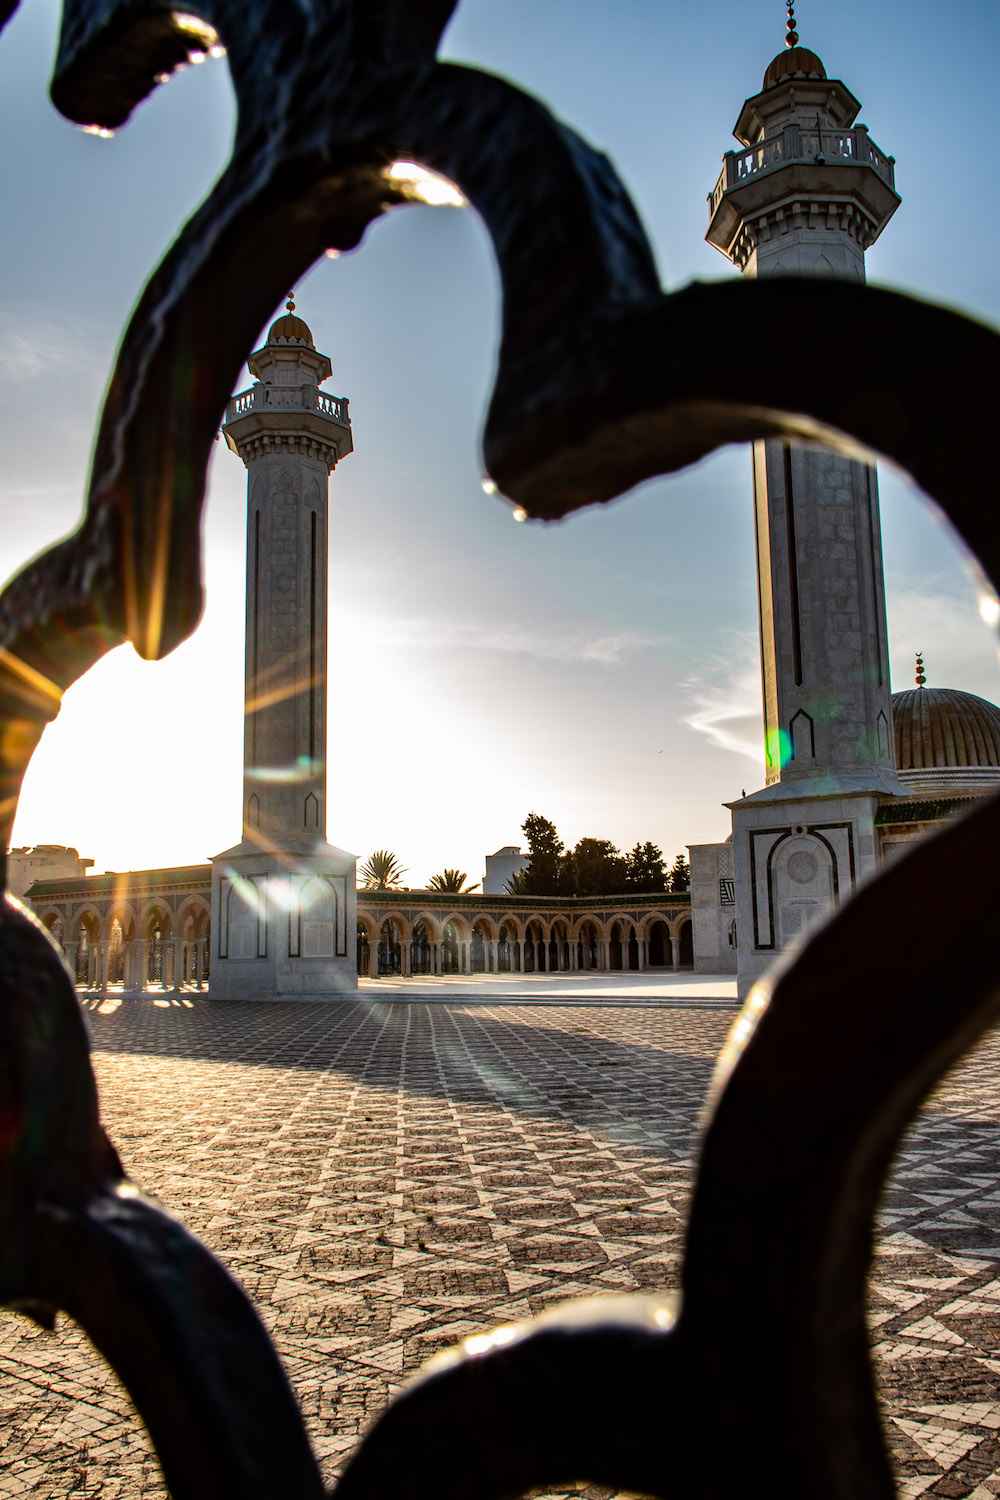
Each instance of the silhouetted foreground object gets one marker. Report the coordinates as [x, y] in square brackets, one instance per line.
[763, 1383]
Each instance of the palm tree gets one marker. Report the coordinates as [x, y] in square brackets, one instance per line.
[382, 871]
[452, 882]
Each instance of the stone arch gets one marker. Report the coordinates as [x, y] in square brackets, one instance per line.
[559, 945]
[659, 949]
[366, 945]
[52, 919]
[421, 948]
[389, 948]
[513, 923]
[156, 929]
[480, 946]
[452, 948]
[506, 948]
[193, 917]
[587, 937]
[85, 937]
[533, 946]
[617, 945]
[460, 924]
[431, 922]
[802, 874]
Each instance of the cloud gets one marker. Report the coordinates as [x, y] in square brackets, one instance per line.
[46, 349]
[443, 634]
[725, 701]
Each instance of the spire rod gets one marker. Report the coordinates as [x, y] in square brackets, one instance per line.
[791, 35]
[920, 679]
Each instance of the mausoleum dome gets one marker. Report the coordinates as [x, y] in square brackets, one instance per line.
[290, 329]
[951, 735]
[793, 62]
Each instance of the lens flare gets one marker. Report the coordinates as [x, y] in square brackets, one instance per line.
[423, 186]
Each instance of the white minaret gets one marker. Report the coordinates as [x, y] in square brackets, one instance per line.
[807, 195]
[283, 901]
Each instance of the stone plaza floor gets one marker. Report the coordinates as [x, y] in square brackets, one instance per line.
[385, 1178]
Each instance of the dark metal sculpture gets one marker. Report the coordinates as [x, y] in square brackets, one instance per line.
[603, 381]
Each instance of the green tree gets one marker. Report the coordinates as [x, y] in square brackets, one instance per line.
[382, 871]
[644, 869]
[680, 875]
[452, 882]
[596, 868]
[545, 873]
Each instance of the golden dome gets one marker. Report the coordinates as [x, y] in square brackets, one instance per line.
[289, 327]
[794, 62]
[942, 729]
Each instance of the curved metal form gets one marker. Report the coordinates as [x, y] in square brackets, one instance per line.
[603, 381]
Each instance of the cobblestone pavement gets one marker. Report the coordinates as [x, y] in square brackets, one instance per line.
[385, 1179]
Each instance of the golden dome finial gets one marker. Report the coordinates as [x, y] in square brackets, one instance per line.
[920, 679]
[290, 304]
[791, 35]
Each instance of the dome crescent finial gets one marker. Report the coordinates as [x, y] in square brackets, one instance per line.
[290, 304]
[920, 678]
[791, 35]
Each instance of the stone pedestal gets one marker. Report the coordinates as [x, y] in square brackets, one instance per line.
[798, 850]
[286, 923]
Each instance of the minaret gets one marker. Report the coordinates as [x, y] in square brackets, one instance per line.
[807, 195]
[283, 899]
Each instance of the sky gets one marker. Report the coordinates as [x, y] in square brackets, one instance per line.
[602, 671]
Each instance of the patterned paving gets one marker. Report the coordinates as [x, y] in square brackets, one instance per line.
[385, 1179]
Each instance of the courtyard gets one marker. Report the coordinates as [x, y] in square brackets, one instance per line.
[388, 1175]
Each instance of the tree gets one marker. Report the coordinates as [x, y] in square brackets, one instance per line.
[545, 873]
[644, 869]
[680, 875]
[596, 868]
[382, 871]
[452, 882]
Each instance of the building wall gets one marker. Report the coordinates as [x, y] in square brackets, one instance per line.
[43, 862]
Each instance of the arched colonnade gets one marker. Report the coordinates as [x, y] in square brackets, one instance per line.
[133, 946]
[432, 943]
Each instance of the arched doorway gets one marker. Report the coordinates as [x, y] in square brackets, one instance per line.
[389, 952]
[615, 947]
[505, 951]
[364, 953]
[631, 955]
[559, 948]
[85, 963]
[686, 944]
[586, 947]
[660, 954]
[450, 958]
[116, 953]
[420, 949]
[478, 949]
[534, 949]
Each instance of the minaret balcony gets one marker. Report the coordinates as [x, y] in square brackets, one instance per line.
[287, 398]
[801, 160]
[288, 411]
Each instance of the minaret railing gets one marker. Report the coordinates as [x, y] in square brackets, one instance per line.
[797, 143]
[288, 398]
